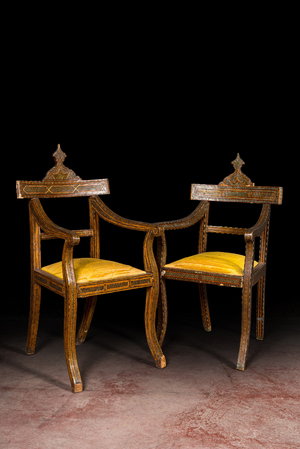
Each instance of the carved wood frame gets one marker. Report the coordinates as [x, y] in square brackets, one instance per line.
[236, 187]
[63, 182]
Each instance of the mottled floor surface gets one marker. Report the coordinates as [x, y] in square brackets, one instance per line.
[198, 401]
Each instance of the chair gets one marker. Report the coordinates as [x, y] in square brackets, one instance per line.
[221, 268]
[84, 277]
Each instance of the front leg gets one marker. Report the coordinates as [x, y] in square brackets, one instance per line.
[70, 318]
[152, 302]
[150, 315]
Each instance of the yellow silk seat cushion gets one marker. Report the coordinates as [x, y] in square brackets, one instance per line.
[213, 262]
[91, 270]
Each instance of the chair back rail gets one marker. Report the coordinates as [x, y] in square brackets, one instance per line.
[61, 189]
[237, 188]
[61, 182]
[249, 194]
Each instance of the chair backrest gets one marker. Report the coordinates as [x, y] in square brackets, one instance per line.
[237, 187]
[61, 182]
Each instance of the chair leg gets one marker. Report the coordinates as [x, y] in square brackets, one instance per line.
[246, 327]
[150, 315]
[70, 317]
[34, 316]
[88, 313]
[260, 309]
[204, 307]
[162, 313]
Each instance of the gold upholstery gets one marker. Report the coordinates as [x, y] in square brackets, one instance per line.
[90, 270]
[213, 262]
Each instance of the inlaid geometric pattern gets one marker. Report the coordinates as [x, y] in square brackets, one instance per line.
[61, 181]
[48, 189]
[237, 178]
[270, 195]
[60, 172]
[237, 188]
[85, 290]
[192, 276]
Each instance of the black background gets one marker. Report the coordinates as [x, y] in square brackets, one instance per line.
[153, 115]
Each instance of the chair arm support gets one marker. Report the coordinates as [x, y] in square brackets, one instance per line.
[188, 221]
[49, 227]
[150, 263]
[261, 224]
[108, 215]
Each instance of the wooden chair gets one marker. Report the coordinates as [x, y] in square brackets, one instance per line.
[85, 277]
[219, 268]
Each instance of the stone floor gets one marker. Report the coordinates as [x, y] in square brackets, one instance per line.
[198, 401]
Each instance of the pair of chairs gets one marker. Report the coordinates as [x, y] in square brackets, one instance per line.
[90, 277]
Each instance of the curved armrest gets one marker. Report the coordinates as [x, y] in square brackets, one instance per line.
[259, 227]
[49, 227]
[108, 215]
[188, 221]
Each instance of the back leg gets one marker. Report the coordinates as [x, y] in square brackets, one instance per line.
[246, 327]
[88, 313]
[34, 317]
[260, 309]
[162, 313]
[204, 307]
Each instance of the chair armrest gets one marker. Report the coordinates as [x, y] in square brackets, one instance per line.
[108, 215]
[259, 227]
[49, 227]
[188, 221]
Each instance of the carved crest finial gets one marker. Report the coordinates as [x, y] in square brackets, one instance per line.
[237, 178]
[59, 155]
[60, 172]
[238, 162]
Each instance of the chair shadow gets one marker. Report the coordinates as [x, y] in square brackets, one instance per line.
[128, 336]
[205, 347]
[34, 372]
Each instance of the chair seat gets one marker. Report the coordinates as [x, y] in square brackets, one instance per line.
[93, 270]
[212, 262]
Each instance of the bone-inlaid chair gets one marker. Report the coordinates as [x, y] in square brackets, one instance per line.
[87, 277]
[223, 268]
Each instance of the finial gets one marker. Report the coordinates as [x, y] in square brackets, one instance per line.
[238, 162]
[60, 172]
[237, 178]
[59, 155]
